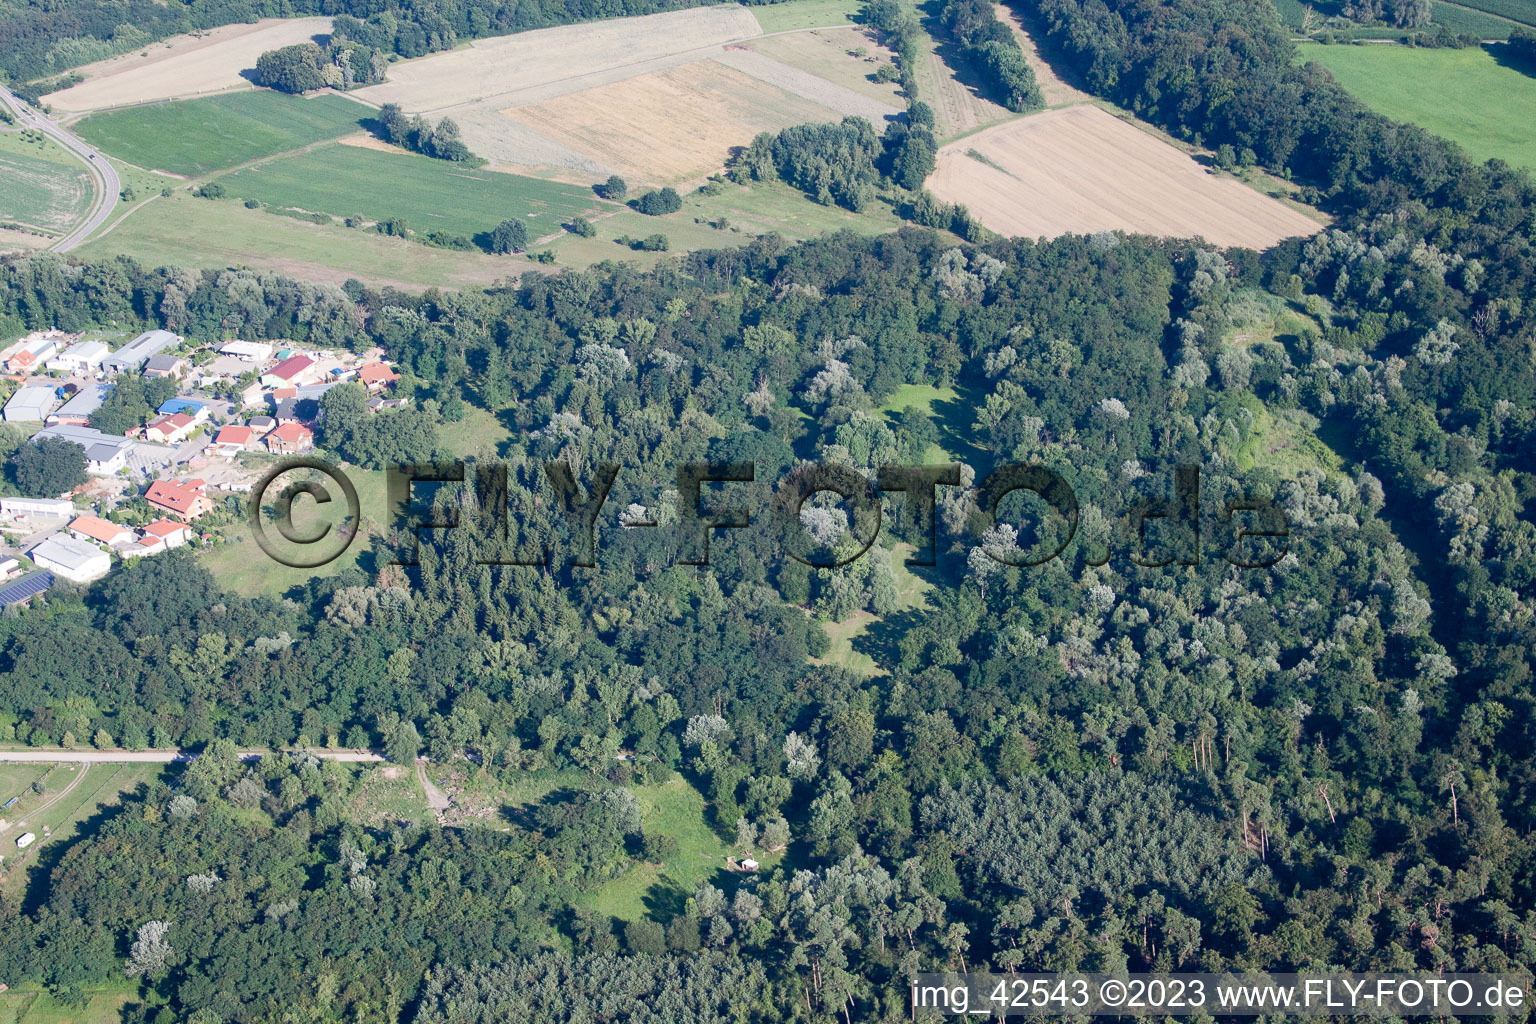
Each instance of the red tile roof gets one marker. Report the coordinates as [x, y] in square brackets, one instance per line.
[376, 373]
[233, 435]
[291, 367]
[173, 422]
[178, 497]
[292, 432]
[97, 529]
[163, 528]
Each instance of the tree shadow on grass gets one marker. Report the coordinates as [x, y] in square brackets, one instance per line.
[881, 639]
[665, 900]
[1505, 56]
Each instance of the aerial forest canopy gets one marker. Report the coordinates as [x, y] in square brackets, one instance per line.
[1090, 764]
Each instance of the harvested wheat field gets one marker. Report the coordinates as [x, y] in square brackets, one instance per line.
[550, 62]
[808, 86]
[183, 66]
[831, 54]
[671, 126]
[1080, 169]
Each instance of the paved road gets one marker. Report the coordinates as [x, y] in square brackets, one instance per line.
[78, 756]
[102, 173]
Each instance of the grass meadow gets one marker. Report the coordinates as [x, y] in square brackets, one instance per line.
[197, 137]
[658, 890]
[1466, 96]
[427, 194]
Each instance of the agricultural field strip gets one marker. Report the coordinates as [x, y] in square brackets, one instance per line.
[567, 58]
[191, 138]
[671, 126]
[1078, 168]
[810, 86]
[189, 66]
[1502, 13]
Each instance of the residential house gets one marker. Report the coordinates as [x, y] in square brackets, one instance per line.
[74, 559]
[77, 411]
[101, 531]
[231, 441]
[251, 393]
[291, 372]
[191, 406]
[35, 348]
[163, 535]
[261, 425]
[185, 498]
[105, 454]
[376, 377]
[166, 365]
[171, 429]
[9, 567]
[136, 353]
[81, 357]
[290, 439]
[380, 404]
[30, 404]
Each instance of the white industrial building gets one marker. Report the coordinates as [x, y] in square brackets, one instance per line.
[30, 404]
[77, 411]
[81, 357]
[247, 351]
[137, 352]
[75, 560]
[105, 454]
[11, 508]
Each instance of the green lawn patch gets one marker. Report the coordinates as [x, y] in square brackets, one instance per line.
[803, 14]
[240, 565]
[656, 890]
[197, 137]
[920, 395]
[427, 194]
[1463, 95]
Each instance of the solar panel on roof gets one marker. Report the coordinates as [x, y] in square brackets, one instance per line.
[24, 588]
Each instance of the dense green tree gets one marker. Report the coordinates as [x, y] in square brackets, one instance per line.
[48, 467]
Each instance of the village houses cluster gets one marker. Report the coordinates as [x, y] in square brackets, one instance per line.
[233, 397]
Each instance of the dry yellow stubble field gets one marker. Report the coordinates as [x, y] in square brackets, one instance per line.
[670, 126]
[545, 63]
[183, 66]
[1081, 169]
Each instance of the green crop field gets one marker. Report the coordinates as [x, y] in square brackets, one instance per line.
[801, 14]
[1464, 95]
[1522, 11]
[41, 186]
[427, 194]
[196, 137]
